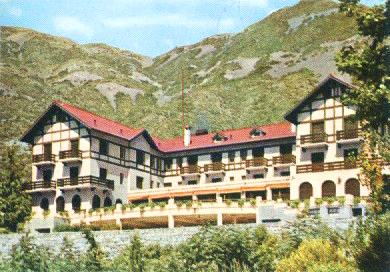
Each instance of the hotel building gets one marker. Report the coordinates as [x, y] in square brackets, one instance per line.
[89, 169]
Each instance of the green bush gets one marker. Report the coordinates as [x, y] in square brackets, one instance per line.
[312, 253]
[189, 203]
[319, 201]
[356, 200]
[228, 202]
[252, 201]
[241, 202]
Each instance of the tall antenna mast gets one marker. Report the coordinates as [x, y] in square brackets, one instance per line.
[182, 99]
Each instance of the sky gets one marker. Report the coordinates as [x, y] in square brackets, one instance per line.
[147, 27]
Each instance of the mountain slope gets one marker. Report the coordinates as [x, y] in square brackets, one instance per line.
[250, 78]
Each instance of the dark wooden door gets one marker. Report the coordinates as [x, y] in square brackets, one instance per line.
[317, 160]
[47, 151]
[74, 174]
[47, 175]
[318, 131]
[74, 147]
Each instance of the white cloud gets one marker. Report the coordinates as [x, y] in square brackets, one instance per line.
[71, 25]
[15, 11]
[171, 20]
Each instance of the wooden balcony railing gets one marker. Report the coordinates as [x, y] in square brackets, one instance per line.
[43, 158]
[216, 166]
[191, 169]
[68, 154]
[314, 138]
[284, 159]
[256, 162]
[86, 180]
[348, 134]
[40, 184]
[327, 166]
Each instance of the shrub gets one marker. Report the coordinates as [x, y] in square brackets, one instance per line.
[295, 203]
[341, 200]
[228, 202]
[189, 203]
[162, 204]
[372, 252]
[252, 201]
[179, 203]
[356, 200]
[142, 206]
[241, 202]
[152, 204]
[311, 253]
[330, 200]
[319, 201]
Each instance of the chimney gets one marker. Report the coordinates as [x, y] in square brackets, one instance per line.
[187, 135]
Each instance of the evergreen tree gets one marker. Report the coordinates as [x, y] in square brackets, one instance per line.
[368, 63]
[15, 204]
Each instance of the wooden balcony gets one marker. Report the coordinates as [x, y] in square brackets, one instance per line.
[214, 167]
[86, 180]
[257, 163]
[284, 159]
[314, 138]
[43, 159]
[40, 185]
[349, 134]
[71, 155]
[327, 166]
[190, 170]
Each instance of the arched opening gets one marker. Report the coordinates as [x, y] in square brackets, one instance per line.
[305, 190]
[328, 189]
[107, 202]
[118, 201]
[44, 204]
[76, 203]
[95, 202]
[60, 204]
[352, 187]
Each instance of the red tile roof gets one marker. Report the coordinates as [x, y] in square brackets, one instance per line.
[234, 136]
[99, 123]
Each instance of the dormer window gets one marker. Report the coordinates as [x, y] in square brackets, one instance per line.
[218, 137]
[257, 133]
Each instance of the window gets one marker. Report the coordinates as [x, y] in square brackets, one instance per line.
[357, 212]
[192, 182]
[140, 157]
[159, 163]
[258, 176]
[60, 204]
[103, 173]
[122, 152]
[258, 152]
[168, 163]
[95, 202]
[139, 182]
[243, 177]
[152, 161]
[193, 160]
[44, 204]
[231, 155]
[103, 147]
[168, 184]
[318, 127]
[215, 180]
[216, 157]
[107, 202]
[47, 175]
[257, 133]
[180, 162]
[243, 154]
[335, 92]
[285, 173]
[121, 178]
[76, 203]
[286, 149]
[333, 210]
[231, 178]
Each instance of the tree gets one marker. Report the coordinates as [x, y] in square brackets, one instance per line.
[15, 204]
[368, 63]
